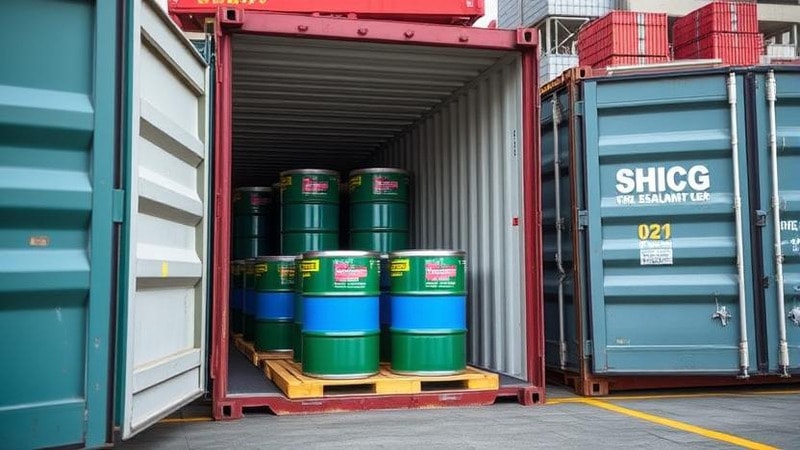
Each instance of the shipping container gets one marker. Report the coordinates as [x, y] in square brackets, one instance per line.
[740, 49]
[454, 106]
[715, 17]
[658, 226]
[192, 14]
[104, 230]
[623, 34]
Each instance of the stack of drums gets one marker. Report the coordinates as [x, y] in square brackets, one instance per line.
[249, 306]
[252, 222]
[340, 314]
[236, 299]
[274, 306]
[309, 211]
[379, 210]
[428, 312]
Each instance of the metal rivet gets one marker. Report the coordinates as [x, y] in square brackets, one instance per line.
[302, 28]
[362, 31]
[409, 34]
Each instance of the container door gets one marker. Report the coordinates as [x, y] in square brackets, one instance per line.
[164, 308]
[57, 147]
[561, 320]
[662, 234]
[787, 229]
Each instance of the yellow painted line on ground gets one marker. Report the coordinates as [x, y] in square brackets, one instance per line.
[558, 401]
[187, 419]
[705, 432]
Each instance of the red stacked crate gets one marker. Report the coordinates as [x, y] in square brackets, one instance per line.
[624, 37]
[720, 30]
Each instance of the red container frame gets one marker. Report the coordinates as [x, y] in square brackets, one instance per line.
[739, 49]
[191, 14]
[230, 21]
[715, 18]
[617, 34]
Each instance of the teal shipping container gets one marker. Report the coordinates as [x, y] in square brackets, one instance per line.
[103, 236]
[671, 242]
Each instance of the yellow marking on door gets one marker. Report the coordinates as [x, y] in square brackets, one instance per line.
[164, 269]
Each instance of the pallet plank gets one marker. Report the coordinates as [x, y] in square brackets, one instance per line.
[288, 376]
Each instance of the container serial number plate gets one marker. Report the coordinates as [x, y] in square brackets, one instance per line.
[655, 244]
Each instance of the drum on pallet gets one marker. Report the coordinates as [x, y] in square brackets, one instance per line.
[309, 211]
[249, 307]
[379, 219]
[274, 304]
[236, 299]
[428, 312]
[341, 331]
[253, 216]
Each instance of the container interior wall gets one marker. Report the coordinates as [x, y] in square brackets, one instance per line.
[451, 116]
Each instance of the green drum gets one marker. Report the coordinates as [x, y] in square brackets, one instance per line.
[379, 218]
[249, 322]
[309, 211]
[274, 303]
[236, 300]
[341, 330]
[428, 321]
[253, 219]
[297, 322]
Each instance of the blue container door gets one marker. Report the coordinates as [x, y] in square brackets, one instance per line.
[562, 349]
[57, 147]
[787, 229]
[665, 292]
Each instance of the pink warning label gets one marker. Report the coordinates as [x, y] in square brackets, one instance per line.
[439, 272]
[381, 185]
[257, 200]
[344, 272]
[312, 186]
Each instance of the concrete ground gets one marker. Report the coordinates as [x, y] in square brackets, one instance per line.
[725, 419]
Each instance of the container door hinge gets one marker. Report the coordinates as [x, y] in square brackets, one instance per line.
[587, 348]
[118, 206]
[583, 219]
[761, 218]
[578, 108]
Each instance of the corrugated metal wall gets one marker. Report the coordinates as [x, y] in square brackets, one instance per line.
[514, 13]
[466, 160]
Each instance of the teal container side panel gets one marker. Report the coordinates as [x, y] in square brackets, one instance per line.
[787, 116]
[57, 145]
[551, 272]
[653, 299]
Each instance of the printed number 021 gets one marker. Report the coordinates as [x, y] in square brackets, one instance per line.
[655, 231]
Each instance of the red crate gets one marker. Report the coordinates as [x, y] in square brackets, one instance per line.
[731, 48]
[623, 33]
[716, 17]
[629, 61]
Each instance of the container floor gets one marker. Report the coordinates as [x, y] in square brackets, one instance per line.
[245, 378]
[667, 419]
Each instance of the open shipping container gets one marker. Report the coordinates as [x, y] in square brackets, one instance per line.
[454, 106]
[653, 276]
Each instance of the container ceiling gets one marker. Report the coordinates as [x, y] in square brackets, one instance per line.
[312, 103]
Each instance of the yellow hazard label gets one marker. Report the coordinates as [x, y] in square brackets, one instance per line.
[398, 266]
[310, 265]
[285, 182]
[354, 182]
[261, 268]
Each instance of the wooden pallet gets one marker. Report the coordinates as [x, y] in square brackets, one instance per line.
[288, 376]
[257, 358]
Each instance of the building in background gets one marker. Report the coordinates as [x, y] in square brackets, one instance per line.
[559, 21]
